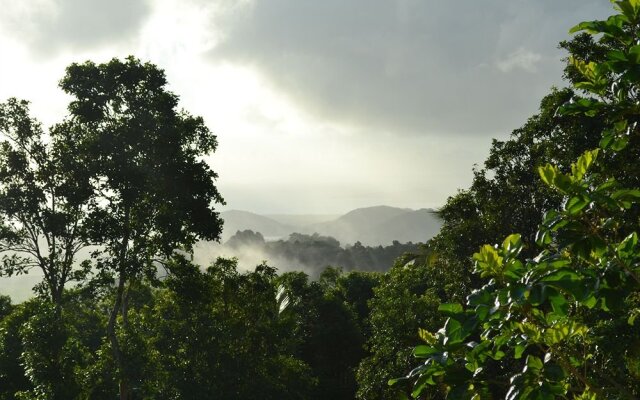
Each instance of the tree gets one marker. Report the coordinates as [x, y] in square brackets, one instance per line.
[44, 197]
[5, 306]
[560, 325]
[153, 193]
[43, 201]
[405, 301]
[221, 333]
[486, 212]
[13, 377]
[323, 320]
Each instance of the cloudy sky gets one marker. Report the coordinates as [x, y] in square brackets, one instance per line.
[319, 106]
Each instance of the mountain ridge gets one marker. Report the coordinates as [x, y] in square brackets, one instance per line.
[376, 225]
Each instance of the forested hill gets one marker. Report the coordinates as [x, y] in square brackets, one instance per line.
[372, 226]
[308, 253]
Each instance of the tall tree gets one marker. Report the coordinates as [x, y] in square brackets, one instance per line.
[43, 201]
[153, 191]
[561, 324]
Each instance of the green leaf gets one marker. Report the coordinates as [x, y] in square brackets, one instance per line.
[519, 349]
[589, 26]
[576, 204]
[622, 125]
[512, 245]
[609, 184]
[580, 167]
[580, 106]
[616, 55]
[553, 372]
[569, 281]
[611, 27]
[559, 304]
[480, 297]
[589, 302]
[543, 237]
[627, 247]
[562, 331]
[548, 174]
[531, 331]
[607, 139]
[419, 386]
[610, 300]
[629, 8]
[450, 309]
[538, 295]
[514, 270]
[423, 351]
[482, 312]
[534, 363]
[393, 381]
[619, 143]
[626, 197]
[427, 336]
[488, 261]
[456, 331]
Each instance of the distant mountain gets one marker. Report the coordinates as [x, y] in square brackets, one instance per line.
[371, 226]
[381, 225]
[299, 220]
[236, 220]
[413, 226]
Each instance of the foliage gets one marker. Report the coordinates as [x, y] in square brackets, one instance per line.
[43, 201]
[406, 301]
[5, 306]
[313, 253]
[43, 354]
[152, 191]
[328, 322]
[486, 210]
[13, 378]
[483, 212]
[547, 327]
[220, 333]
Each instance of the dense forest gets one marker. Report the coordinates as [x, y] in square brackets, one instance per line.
[313, 253]
[531, 290]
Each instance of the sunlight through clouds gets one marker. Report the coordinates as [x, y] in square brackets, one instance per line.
[360, 102]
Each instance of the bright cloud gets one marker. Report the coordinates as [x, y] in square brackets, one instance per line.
[520, 59]
[319, 106]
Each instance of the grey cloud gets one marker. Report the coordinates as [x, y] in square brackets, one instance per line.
[75, 24]
[408, 65]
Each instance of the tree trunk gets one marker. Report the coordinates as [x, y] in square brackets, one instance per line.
[113, 338]
[125, 390]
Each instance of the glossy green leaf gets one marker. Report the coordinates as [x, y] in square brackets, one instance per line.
[559, 304]
[628, 247]
[424, 351]
[450, 308]
[512, 245]
[534, 363]
[619, 143]
[580, 167]
[626, 197]
[576, 204]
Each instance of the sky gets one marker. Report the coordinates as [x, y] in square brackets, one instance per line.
[319, 107]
